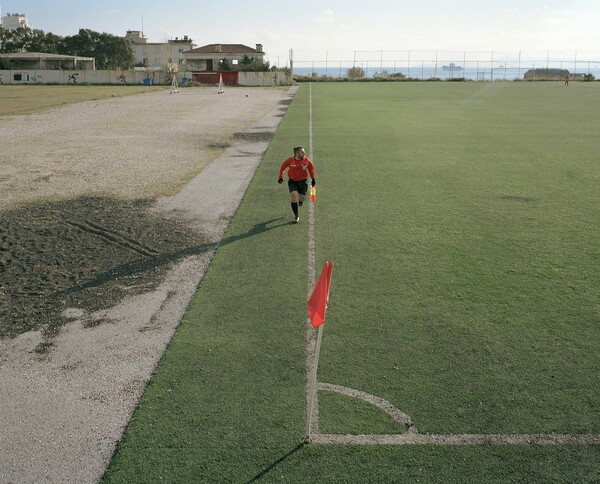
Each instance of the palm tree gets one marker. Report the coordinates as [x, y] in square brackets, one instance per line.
[225, 64]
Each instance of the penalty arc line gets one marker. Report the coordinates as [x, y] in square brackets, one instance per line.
[412, 436]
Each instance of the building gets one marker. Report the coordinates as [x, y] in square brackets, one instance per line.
[43, 61]
[13, 21]
[207, 57]
[158, 56]
[203, 62]
[545, 74]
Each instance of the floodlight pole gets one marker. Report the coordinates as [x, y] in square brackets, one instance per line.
[313, 383]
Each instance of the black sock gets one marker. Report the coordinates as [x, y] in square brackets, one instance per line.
[295, 208]
[300, 203]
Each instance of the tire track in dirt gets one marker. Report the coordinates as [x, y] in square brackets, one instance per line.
[115, 237]
[88, 252]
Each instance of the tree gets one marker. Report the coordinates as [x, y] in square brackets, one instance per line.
[82, 44]
[225, 64]
[110, 51]
[113, 52]
[44, 42]
[253, 64]
[246, 62]
[355, 73]
[28, 40]
[260, 65]
[12, 41]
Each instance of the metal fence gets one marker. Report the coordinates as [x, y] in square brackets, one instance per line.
[426, 64]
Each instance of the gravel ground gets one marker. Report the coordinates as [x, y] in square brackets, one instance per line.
[106, 228]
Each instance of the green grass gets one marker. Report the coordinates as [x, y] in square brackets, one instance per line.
[15, 100]
[476, 255]
[341, 414]
[462, 219]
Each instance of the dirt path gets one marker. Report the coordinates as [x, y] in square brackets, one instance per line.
[98, 262]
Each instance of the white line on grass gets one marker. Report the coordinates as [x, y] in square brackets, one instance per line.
[311, 337]
[458, 439]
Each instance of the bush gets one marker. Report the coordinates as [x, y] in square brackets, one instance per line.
[355, 73]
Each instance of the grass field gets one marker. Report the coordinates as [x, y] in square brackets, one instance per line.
[462, 219]
[17, 99]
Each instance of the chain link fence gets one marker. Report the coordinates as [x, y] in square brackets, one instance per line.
[438, 64]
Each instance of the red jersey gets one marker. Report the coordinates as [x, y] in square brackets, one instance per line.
[297, 168]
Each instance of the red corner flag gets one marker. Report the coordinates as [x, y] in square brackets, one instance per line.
[317, 304]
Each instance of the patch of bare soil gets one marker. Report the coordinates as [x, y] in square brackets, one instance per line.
[75, 228]
[87, 252]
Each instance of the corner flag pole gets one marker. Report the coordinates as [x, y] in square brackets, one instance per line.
[317, 308]
[313, 384]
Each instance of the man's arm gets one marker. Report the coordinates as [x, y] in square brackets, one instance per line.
[282, 168]
[311, 172]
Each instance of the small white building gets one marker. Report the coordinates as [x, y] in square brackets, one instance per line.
[12, 21]
[160, 55]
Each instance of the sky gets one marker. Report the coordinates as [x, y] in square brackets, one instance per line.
[337, 29]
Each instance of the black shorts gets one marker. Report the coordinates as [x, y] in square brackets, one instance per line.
[298, 186]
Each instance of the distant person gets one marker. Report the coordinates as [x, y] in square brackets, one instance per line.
[567, 79]
[299, 167]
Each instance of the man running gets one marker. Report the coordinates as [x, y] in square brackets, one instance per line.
[297, 166]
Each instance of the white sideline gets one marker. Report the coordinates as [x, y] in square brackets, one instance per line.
[311, 337]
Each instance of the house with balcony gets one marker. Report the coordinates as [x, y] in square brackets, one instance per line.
[203, 62]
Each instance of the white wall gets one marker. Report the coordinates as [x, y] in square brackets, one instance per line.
[268, 78]
[79, 77]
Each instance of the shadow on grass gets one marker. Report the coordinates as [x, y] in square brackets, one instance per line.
[140, 266]
[257, 229]
[161, 260]
[279, 461]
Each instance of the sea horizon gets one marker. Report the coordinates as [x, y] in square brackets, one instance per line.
[445, 71]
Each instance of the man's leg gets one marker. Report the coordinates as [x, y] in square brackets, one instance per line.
[302, 193]
[294, 199]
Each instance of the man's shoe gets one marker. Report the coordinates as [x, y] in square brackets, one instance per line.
[297, 219]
